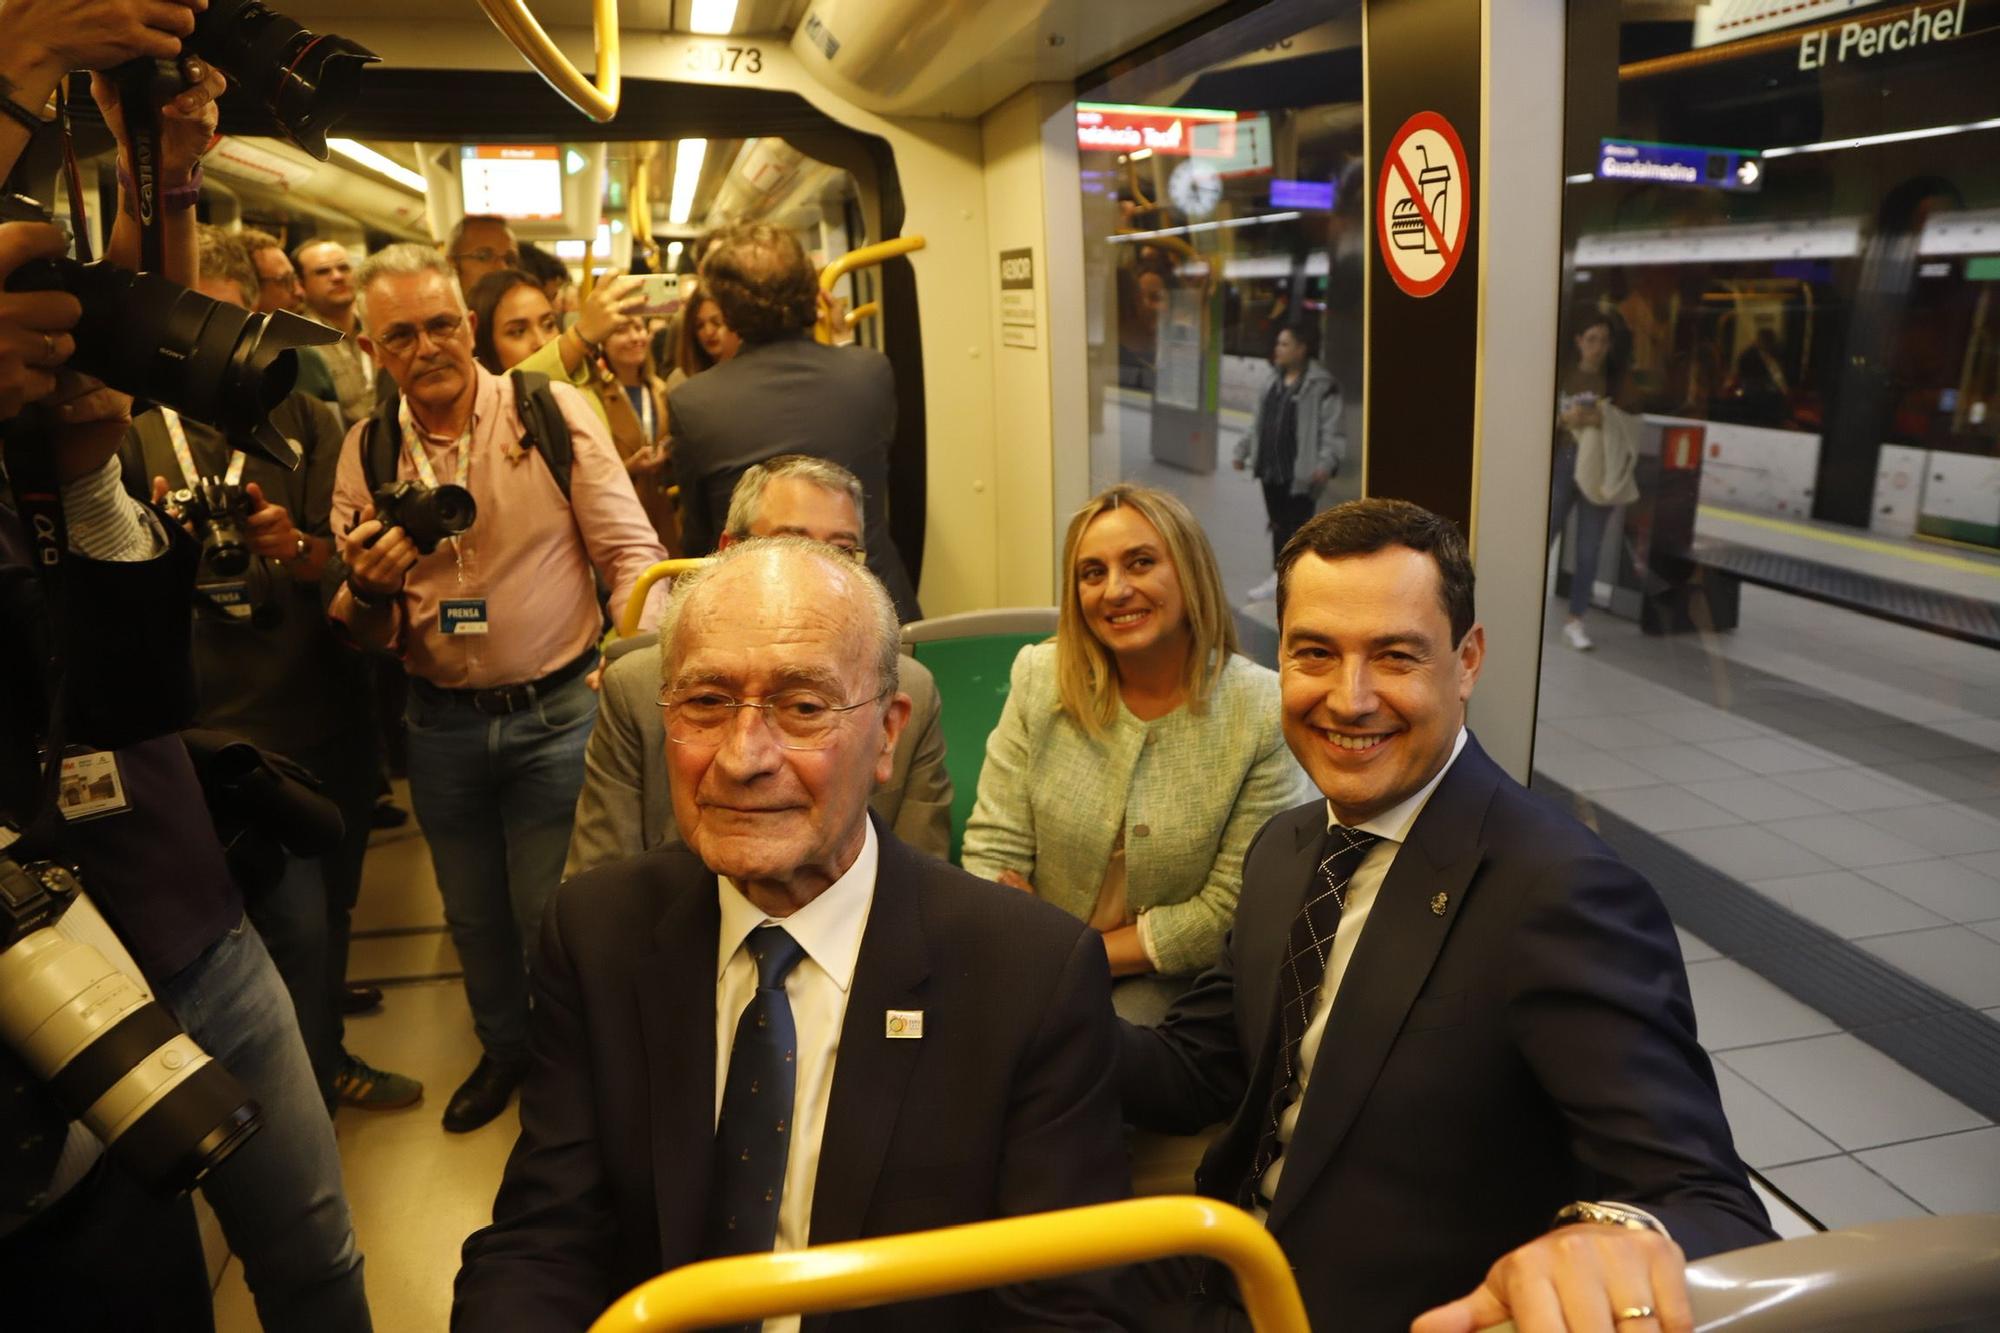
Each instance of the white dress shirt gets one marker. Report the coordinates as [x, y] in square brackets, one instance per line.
[829, 929]
[1392, 826]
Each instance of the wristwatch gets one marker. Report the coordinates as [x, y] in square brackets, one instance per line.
[1609, 1214]
[303, 548]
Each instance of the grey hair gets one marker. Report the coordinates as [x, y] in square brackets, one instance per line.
[405, 259]
[887, 631]
[748, 496]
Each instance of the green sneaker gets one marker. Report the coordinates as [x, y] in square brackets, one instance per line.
[361, 1084]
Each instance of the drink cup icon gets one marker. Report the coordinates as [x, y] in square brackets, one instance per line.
[1406, 224]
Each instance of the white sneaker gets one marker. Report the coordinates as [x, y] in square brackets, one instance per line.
[1263, 592]
[1573, 635]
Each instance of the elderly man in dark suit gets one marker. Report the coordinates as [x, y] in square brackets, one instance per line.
[793, 1029]
[782, 393]
[1463, 1030]
[625, 807]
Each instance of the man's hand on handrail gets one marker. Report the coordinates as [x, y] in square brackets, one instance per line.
[1590, 1278]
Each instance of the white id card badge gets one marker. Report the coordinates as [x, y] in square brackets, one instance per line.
[89, 786]
[462, 615]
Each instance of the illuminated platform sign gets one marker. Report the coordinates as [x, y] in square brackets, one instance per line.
[1171, 131]
[1679, 164]
[1303, 194]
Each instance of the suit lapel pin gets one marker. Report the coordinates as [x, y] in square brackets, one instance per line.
[904, 1024]
[1439, 901]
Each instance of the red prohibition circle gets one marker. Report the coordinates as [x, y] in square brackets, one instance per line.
[1423, 120]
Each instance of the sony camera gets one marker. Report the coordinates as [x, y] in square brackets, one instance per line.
[113, 1056]
[217, 510]
[426, 514]
[306, 80]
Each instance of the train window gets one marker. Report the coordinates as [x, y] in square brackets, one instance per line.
[1222, 201]
[1771, 663]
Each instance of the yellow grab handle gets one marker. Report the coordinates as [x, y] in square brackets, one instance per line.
[862, 258]
[517, 25]
[983, 1254]
[635, 605]
[867, 310]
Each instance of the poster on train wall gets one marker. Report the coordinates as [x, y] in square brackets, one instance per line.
[1420, 211]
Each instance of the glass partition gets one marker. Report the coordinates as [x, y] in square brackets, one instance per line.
[1222, 198]
[1771, 665]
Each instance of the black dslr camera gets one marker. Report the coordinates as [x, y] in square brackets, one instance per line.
[156, 340]
[306, 80]
[112, 1056]
[217, 509]
[426, 514]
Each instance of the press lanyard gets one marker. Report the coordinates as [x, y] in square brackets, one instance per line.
[420, 460]
[645, 414]
[185, 455]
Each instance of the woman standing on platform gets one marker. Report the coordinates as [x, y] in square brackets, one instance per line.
[1595, 453]
[1138, 753]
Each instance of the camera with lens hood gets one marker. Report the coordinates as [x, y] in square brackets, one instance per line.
[306, 80]
[112, 1055]
[156, 340]
[426, 514]
[217, 510]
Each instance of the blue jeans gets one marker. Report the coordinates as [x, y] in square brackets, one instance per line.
[496, 797]
[279, 1196]
[1591, 522]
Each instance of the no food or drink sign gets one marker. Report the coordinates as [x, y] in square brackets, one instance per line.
[1422, 203]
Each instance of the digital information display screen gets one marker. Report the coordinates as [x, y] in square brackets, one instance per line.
[520, 181]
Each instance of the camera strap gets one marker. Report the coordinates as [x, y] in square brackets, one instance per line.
[31, 469]
[184, 454]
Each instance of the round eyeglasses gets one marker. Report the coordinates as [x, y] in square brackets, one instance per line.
[798, 719]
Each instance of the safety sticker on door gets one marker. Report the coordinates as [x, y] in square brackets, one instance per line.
[1421, 204]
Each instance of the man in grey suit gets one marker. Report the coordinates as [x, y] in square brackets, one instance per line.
[625, 807]
[782, 393]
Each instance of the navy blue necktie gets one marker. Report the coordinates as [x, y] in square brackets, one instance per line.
[754, 1135]
[1307, 948]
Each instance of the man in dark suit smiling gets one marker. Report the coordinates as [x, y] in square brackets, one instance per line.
[1449, 1027]
[794, 1029]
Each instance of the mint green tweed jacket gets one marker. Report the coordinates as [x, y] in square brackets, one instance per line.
[1190, 790]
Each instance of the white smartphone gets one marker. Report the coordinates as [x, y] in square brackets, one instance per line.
[662, 293]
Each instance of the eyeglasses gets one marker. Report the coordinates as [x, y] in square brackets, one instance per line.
[440, 329]
[798, 719]
[487, 255]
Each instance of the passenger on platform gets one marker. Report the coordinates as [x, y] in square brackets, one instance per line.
[1294, 446]
[1596, 451]
[1479, 1026]
[701, 342]
[514, 328]
[1137, 754]
[268, 668]
[782, 393]
[954, 1052]
[328, 276]
[497, 628]
[278, 289]
[626, 809]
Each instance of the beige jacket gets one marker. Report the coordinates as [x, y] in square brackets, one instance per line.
[1189, 790]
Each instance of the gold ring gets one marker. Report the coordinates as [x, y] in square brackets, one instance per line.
[1632, 1312]
[48, 348]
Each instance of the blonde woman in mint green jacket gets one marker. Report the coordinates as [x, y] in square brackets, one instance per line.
[1138, 753]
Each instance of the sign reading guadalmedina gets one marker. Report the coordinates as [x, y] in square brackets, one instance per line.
[1865, 39]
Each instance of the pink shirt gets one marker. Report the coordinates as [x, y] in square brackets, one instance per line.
[528, 554]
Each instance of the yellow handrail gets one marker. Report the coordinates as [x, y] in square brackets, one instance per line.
[868, 310]
[984, 1254]
[517, 25]
[635, 605]
[862, 258]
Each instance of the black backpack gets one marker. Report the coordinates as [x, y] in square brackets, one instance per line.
[542, 424]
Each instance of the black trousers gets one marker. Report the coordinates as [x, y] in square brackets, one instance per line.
[1288, 513]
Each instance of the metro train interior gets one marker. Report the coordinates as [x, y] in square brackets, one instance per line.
[1773, 687]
